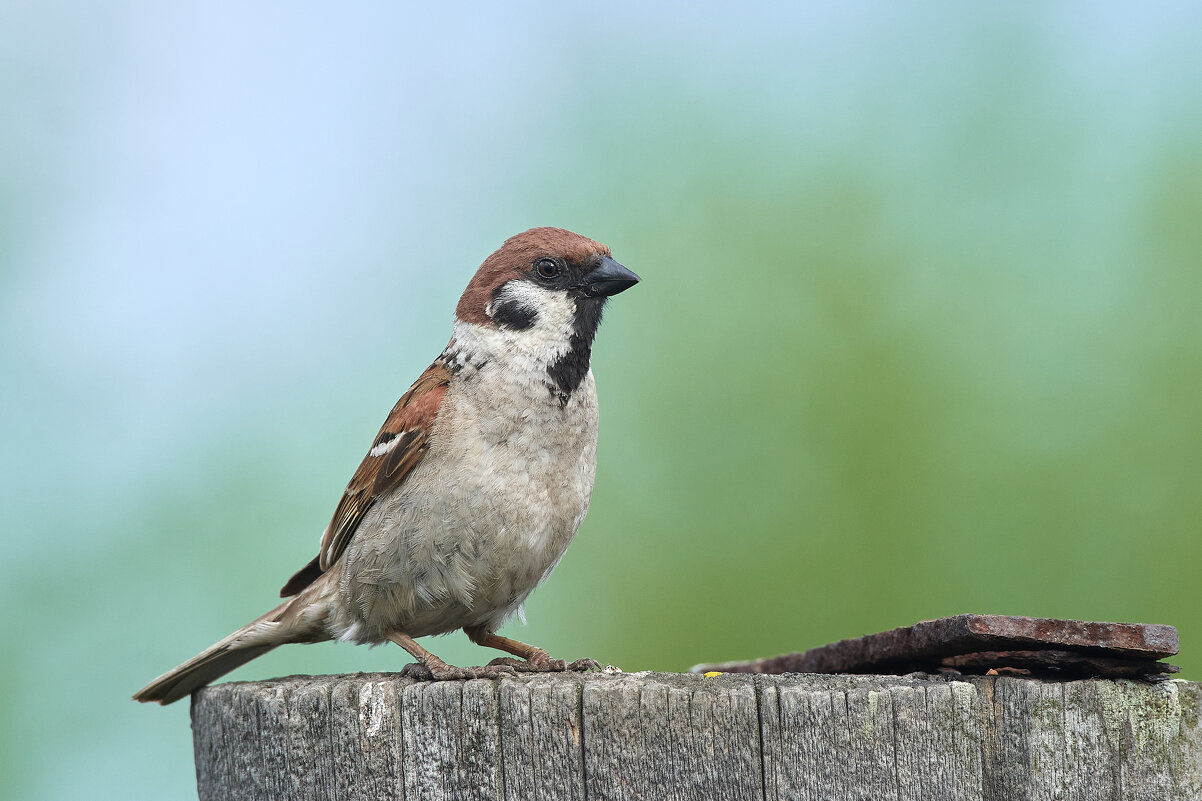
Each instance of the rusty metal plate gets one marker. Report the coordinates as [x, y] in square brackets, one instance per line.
[932, 645]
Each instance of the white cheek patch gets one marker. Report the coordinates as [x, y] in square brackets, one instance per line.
[547, 338]
[523, 295]
[556, 312]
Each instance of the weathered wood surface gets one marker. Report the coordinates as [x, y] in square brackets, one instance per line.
[669, 736]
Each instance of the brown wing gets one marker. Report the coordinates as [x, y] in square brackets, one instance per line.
[398, 447]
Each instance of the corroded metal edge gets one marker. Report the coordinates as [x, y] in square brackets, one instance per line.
[926, 645]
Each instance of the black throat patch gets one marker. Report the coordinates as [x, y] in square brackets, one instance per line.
[569, 370]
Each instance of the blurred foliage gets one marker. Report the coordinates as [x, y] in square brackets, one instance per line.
[918, 333]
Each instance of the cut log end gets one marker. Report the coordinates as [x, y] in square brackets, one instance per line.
[654, 735]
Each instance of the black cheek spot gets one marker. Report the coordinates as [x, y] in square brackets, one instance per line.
[510, 314]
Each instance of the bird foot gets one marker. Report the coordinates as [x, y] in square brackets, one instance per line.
[542, 662]
[584, 665]
[441, 671]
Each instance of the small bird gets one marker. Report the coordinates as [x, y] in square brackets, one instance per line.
[474, 486]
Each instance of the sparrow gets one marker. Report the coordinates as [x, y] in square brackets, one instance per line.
[472, 489]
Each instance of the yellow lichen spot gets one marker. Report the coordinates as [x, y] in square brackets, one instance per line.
[713, 673]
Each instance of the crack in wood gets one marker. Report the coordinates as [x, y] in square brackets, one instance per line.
[672, 736]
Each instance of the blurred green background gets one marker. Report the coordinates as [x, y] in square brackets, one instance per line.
[919, 331]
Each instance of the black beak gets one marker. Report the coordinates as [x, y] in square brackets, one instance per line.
[608, 278]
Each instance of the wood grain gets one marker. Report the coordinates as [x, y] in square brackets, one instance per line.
[673, 736]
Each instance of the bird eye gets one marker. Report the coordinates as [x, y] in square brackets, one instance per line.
[547, 268]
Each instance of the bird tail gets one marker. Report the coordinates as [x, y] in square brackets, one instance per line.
[252, 640]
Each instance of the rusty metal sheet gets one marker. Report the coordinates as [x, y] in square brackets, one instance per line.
[925, 645]
[1051, 662]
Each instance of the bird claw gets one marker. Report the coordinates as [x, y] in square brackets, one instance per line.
[517, 665]
[545, 664]
[443, 672]
[487, 672]
[417, 671]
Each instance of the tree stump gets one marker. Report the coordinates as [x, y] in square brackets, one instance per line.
[670, 736]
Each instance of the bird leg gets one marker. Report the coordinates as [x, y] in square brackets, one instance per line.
[430, 668]
[533, 659]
